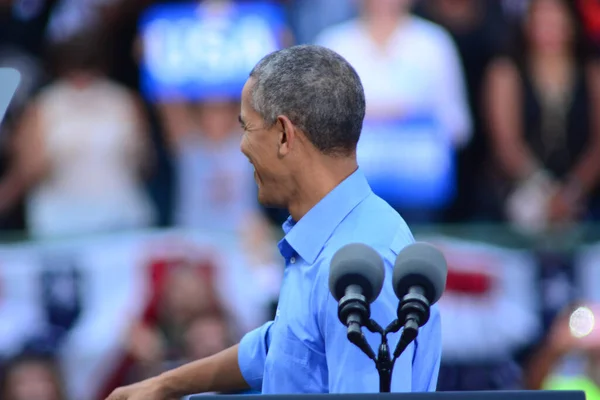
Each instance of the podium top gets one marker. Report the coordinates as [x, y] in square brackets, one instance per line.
[9, 81]
[483, 395]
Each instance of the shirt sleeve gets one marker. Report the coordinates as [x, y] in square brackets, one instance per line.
[252, 353]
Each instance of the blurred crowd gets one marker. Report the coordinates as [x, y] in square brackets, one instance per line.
[507, 93]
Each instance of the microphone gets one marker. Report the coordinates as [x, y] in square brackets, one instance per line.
[355, 280]
[419, 279]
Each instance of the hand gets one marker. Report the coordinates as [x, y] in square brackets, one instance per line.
[150, 389]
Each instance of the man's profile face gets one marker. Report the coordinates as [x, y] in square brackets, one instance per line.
[260, 145]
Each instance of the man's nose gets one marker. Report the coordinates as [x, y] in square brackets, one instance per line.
[243, 148]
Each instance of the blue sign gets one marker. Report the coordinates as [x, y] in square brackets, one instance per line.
[195, 52]
[408, 162]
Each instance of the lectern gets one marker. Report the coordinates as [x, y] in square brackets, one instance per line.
[497, 395]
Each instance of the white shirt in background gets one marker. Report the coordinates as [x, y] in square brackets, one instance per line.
[418, 71]
[93, 148]
[215, 189]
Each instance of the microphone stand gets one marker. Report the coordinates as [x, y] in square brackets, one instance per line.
[355, 312]
[384, 362]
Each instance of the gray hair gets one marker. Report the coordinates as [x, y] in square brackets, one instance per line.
[318, 90]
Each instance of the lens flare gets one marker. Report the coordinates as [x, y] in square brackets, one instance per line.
[581, 322]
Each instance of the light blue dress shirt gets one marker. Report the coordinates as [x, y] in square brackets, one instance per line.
[305, 349]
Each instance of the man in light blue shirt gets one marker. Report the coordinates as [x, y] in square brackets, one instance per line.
[302, 112]
[305, 349]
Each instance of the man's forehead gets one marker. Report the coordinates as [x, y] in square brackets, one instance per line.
[246, 105]
[248, 87]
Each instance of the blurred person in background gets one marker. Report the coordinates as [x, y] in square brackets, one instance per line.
[542, 105]
[214, 185]
[207, 335]
[215, 189]
[158, 343]
[31, 376]
[569, 359]
[479, 29]
[80, 151]
[409, 68]
[189, 323]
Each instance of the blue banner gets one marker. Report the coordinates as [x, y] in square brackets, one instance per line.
[408, 162]
[205, 51]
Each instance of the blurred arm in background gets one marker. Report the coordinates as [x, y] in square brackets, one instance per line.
[586, 171]
[558, 343]
[503, 100]
[29, 161]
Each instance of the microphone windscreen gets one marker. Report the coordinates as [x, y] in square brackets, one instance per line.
[356, 264]
[420, 264]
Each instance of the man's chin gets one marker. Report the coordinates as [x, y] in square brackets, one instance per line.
[268, 202]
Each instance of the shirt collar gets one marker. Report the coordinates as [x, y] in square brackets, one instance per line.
[308, 236]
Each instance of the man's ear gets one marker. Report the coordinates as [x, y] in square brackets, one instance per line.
[288, 135]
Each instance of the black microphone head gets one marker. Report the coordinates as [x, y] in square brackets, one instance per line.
[420, 264]
[356, 264]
